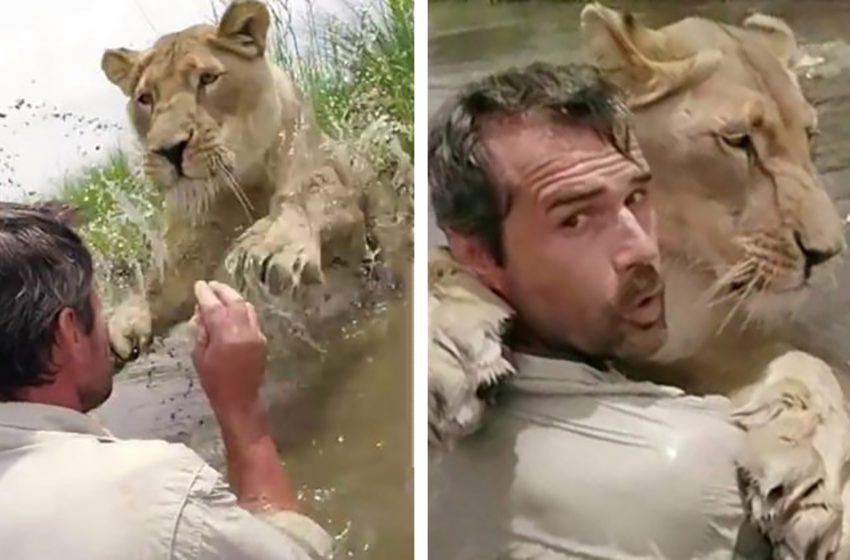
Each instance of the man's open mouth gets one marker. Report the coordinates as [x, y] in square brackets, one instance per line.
[648, 310]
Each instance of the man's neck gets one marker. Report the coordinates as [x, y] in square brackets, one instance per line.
[534, 346]
[55, 393]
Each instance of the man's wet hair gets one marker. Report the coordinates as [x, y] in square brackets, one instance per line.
[465, 196]
[44, 268]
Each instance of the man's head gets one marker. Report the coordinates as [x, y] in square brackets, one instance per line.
[541, 194]
[53, 343]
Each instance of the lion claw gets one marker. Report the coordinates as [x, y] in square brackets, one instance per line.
[129, 330]
[280, 254]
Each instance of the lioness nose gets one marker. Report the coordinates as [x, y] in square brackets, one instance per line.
[174, 154]
[814, 257]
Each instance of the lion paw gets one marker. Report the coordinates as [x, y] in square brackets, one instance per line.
[129, 329]
[794, 455]
[786, 493]
[280, 254]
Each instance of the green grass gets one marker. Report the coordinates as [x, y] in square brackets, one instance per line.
[356, 70]
[114, 206]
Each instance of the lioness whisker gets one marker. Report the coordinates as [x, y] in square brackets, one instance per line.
[231, 182]
[720, 291]
[744, 295]
[765, 280]
[233, 185]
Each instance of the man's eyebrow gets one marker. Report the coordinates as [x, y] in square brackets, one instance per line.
[563, 198]
[642, 177]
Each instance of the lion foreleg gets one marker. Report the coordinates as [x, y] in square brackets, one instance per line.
[315, 224]
[194, 252]
[793, 467]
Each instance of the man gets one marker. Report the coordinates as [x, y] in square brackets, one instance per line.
[545, 201]
[68, 489]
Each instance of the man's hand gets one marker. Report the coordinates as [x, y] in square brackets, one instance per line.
[230, 350]
[230, 358]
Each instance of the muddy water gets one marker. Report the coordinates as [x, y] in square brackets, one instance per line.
[340, 406]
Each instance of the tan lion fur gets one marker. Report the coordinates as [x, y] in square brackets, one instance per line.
[739, 205]
[733, 222]
[257, 177]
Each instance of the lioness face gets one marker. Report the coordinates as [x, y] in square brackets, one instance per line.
[727, 133]
[202, 102]
[739, 179]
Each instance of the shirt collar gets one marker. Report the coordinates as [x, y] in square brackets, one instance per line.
[44, 417]
[563, 376]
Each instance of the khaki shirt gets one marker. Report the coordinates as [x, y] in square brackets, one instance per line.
[576, 463]
[71, 491]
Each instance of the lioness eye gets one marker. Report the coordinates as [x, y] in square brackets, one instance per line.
[811, 132]
[207, 78]
[145, 99]
[738, 141]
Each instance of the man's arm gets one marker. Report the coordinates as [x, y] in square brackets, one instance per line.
[230, 358]
[253, 463]
[212, 526]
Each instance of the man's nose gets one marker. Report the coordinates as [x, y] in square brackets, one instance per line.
[635, 245]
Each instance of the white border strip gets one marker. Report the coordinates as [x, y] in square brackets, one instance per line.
[420, 274]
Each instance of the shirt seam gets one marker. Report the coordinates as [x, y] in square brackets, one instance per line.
[181, 510]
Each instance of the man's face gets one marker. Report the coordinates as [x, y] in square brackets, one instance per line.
[581, 257]
[94, 371]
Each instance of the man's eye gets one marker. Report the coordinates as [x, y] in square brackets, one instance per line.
[574, 221]
[636, 197]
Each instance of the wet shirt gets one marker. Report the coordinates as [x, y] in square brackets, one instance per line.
[574, 462]
[71, 491]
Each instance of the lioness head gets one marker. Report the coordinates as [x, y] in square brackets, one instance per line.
[204, 103]
[725, 128]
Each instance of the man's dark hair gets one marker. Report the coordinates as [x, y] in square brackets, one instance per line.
[465, 197]
[44, 268]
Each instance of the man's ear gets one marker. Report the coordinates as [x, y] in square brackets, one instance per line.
[243, 28]
[67, 337]
[117, 65]
[472, 253]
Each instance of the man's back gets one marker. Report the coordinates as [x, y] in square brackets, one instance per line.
[572, 466]
[78, 493]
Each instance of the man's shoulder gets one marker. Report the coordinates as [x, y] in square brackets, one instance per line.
[131, 493]
[159, 458]
[149, 469]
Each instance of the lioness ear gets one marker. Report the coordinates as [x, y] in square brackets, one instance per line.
[776, 35]
[638, 60]
[243, 28]
[117, 65]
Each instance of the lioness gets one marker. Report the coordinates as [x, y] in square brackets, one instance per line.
[745, 229]
[230, 140]
[744, 221]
